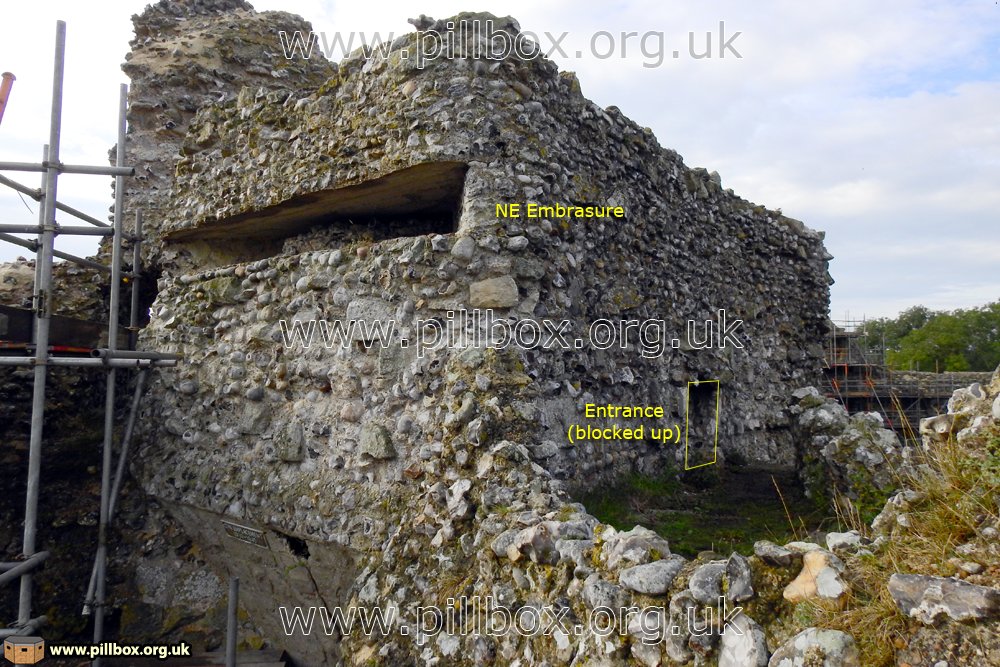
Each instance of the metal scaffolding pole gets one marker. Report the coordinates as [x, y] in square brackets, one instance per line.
[231, 620]
[33, 246]
[108, 359]
[27, 629]
[37, 196]
[24, 567]
[61, 229]
[90, 170]
[140, 384]
[108, 353]
[133, 325]
[91, 362]
[43, 305]
[109, 404]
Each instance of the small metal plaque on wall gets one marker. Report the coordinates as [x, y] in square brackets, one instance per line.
[245, 534]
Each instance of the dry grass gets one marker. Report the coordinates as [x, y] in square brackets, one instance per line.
[959, 483]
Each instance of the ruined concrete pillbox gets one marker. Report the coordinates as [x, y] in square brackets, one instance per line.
[376, 192]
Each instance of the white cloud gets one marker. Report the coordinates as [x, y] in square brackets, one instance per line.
[873, 121]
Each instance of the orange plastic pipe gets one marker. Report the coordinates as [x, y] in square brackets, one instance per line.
[5, 86]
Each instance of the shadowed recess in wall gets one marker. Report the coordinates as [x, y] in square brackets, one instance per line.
[701, 431]
[422, 199]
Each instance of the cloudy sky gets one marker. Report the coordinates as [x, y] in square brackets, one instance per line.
[878, 123]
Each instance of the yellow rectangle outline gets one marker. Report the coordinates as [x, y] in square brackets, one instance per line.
[687, 422]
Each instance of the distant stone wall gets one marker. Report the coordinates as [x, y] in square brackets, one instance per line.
[923, 383]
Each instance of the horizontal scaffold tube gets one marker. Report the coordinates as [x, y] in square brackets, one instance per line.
[105, 353]
[89, 361]
[27, 566]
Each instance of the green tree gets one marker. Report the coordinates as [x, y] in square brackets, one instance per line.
[890, 331]
[940, 344]
[984, 348]
[925, 340]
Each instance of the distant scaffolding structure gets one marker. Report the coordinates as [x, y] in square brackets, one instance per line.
[860, 379]
[37, 353]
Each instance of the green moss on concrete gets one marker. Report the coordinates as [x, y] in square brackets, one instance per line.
[742, 507]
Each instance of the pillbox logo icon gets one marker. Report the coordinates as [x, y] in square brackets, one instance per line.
[23, 650]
